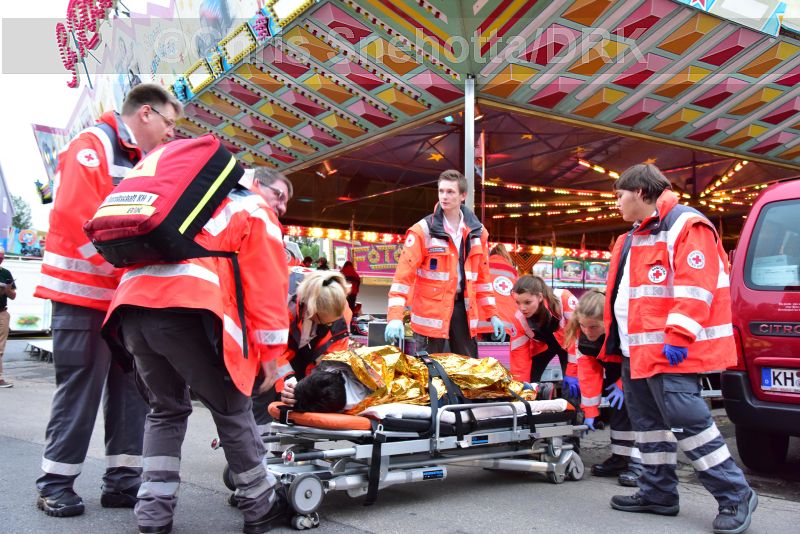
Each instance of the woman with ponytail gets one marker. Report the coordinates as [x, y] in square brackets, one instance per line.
[597, 372]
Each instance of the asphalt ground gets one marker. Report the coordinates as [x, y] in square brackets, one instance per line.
[470, 500]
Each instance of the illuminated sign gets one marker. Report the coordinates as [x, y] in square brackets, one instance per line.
[285, 11]
[762, 15]
[81, 33]
[238, 44]
[199, 75]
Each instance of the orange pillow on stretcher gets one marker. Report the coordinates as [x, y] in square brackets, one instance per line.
[327, 421]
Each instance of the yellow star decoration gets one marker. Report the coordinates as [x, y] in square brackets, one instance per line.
[529, 137]
[435, 157]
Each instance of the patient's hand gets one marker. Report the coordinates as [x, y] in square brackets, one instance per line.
[287, 395]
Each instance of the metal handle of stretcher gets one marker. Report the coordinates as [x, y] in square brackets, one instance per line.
[458, 407]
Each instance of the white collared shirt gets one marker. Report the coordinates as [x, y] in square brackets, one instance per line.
[457, 235]
[622, 303]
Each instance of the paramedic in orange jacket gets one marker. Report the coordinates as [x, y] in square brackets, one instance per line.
[538, 333]
[443, 274]
[668, 313]
[276, 190]
[598, 372]
[81, 283]
[504, 275]
[319, 323]
[181, 322]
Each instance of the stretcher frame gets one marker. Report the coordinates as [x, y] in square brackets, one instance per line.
[315, 461]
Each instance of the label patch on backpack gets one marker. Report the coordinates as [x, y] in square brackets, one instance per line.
[132, 197]
[125, 209]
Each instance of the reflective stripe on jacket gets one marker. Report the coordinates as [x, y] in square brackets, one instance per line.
[679, 293]
[244, 224]
[427, 276]
[524, 346]
[88, 169]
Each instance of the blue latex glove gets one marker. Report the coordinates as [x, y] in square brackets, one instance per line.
[394, 331]
[589, 421]
[675, 355]
[573, 387]
[499, 328]
[615, 396]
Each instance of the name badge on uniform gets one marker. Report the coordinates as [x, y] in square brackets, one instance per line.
[436, 250]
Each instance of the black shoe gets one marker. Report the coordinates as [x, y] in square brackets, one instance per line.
[735, 519]
[628, 479]
[66, 503]
[165, 529]
[279, 511]
[120, 499]
[638, 503]
[613, 466]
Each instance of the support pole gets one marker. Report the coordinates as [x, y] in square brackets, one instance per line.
[469, 139]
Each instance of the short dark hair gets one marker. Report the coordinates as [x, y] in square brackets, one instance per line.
[646, 177]
[149, 94]
[452, 175]
[322, 392]
[267, 176]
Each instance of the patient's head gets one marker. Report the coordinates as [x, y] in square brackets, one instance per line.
[321, 391]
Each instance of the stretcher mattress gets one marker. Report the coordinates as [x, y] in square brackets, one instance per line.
[412, 418]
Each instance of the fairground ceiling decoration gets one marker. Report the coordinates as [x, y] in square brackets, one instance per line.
[303, 81]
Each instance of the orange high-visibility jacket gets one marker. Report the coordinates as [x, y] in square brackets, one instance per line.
[88, 169]
[591, 374]
[243, 223]
[524, 346]
[427, 275]
[298, 361]
[679, 292]
[504, 275]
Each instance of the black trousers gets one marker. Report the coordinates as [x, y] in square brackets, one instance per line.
[86, 375]
[173, 352]
[460, 340]
[541, 360]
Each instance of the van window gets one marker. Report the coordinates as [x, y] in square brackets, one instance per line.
[773, 255]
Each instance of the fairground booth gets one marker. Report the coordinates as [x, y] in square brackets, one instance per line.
[542, 104]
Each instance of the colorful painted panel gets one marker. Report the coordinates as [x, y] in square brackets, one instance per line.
[343, 71]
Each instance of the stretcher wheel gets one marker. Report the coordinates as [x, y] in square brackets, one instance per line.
[303, 522]
[305, 493]
[227, 478]
[555, 477]
[575, 469]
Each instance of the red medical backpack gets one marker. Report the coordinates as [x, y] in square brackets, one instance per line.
[153, 215]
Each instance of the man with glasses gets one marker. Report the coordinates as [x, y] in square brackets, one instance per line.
[276, 189]
[81, 283]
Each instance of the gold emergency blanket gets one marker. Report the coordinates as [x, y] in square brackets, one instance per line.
[397, 377]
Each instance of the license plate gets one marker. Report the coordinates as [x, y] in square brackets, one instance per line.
[786, 380]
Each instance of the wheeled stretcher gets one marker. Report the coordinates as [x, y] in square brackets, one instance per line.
[401, 443]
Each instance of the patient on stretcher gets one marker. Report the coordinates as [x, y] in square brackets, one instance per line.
[353, 380]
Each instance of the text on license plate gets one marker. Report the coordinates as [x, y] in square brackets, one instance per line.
[773, 379]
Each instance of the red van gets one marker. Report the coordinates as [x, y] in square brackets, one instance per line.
[762, 392]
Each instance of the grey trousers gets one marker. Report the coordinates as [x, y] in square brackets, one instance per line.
[459, 339]
[667, 412]
[173, 353]
[85, 373]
